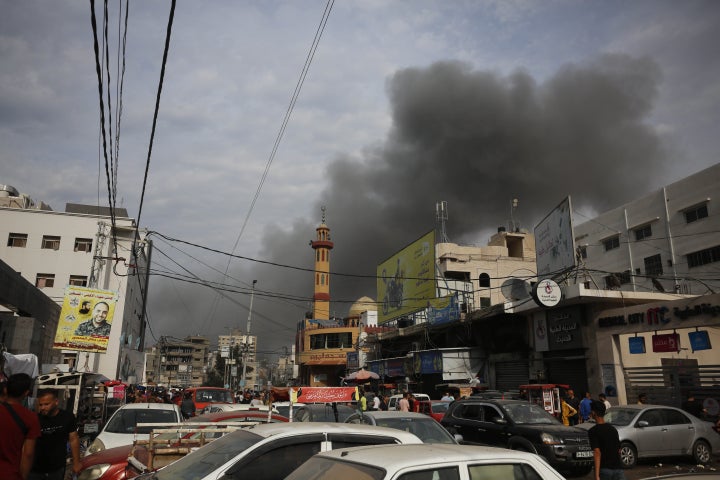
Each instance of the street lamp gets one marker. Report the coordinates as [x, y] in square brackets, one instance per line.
[247, 335]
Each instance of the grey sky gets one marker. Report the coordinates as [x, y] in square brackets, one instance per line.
[406, 103]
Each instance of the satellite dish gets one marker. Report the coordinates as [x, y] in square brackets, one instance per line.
[515, 289]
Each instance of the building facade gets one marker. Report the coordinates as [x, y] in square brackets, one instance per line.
[78, 247]
[179, 363]
[246, 345]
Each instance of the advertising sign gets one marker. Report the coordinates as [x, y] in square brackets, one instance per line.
[406, 281]
[555, 241]
[564, 330]
[443, 310]
[85, 319]
[637, 345]
[323, 394]
[666, 342]
[428, 362]
[699, 340]
[352, 360]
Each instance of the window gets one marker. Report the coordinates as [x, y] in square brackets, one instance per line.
[45, 280]
[653, 265]
[485, 302]
[696, 213]
[703, 257]
[484, 280]
[17, 240]
[612, 243]
[643, 232]
[78, 280]
[331, 340]
[444, 473]
[83, 244]
[516, 471]
[50, 242]
[615, 280]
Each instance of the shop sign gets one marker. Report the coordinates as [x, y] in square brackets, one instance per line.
[699, 340]
[563, 329]
[637, 345]
[666, 342]
[428, 362]
[660, 316]
[547, 293]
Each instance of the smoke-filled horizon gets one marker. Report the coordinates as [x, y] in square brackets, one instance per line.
[476, 139]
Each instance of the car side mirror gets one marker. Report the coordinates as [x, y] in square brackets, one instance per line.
[641, 424]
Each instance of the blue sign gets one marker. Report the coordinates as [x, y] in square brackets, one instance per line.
[637, 344]
[699, 340]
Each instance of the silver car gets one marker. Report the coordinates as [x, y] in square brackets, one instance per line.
[660, 431]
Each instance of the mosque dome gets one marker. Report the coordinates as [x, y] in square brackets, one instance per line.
[363, 304]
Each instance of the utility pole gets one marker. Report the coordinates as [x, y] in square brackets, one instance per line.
[247, 335]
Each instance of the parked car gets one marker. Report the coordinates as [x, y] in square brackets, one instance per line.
[284, 408]
[393, 401]
[231, 407]
[442, 462]
[426, 428]
[121, 429]
[272, 451]
[520, 425]
[322, 412]
[113, 464]
[660, 431]
[434, 408]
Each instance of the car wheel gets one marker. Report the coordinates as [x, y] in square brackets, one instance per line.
[701, 452]
[628, 455]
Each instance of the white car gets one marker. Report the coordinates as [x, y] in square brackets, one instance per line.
[121, 429]
[234, 407]
[273, 450]
[427, 461]
[393, 401]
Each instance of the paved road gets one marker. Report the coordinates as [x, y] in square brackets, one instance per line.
[656, 467]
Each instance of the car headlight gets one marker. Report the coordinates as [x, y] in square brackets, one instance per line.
[94, 472]
[96, 446]
[548, 439]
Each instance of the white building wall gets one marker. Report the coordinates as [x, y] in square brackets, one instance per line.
[673, 238]
[64, 262]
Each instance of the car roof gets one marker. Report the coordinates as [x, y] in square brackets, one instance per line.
[395, 414]
[218, 416]
[149, 406]
[323, 406]
[299, 428]
[498, 401]
[402, 456]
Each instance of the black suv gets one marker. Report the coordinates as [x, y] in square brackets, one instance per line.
[520, 425]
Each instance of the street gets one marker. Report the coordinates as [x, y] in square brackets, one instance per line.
[655, 467]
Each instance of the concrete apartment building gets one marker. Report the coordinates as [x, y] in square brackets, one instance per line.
[51, 250]
[179, 363]
[666, 241]
[248, 345]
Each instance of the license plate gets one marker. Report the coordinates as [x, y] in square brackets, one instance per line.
[584, 454]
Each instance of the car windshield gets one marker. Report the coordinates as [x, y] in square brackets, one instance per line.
[323, 413]
[126, 420]
[426, 429]
[620, 416]
[529, 414]
[217, 396]
[319, 468]
[205, 460]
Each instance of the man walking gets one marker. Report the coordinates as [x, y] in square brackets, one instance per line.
[574, 402]
[605, 443]
[19, 429]
[57, 428]
[585, 404]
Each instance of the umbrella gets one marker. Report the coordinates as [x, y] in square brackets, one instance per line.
[362, 375]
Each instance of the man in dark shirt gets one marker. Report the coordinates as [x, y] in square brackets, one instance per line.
[574, 402]
[605, 443]
[98, 324]
[694, 407]
[57, 428]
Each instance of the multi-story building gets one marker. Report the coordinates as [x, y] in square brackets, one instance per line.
[666, 241]
[77, 247]
[179, 363]
[246, 347]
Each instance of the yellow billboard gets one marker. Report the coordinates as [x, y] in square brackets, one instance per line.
[85, 319]
[406, 281]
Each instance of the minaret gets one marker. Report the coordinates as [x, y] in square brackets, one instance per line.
[322, 246]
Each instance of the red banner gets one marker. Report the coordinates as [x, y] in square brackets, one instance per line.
[324, 394]
[668, 342]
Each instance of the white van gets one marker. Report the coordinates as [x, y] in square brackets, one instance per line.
[393, 402]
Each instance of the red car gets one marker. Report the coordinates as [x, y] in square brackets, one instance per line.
[113, 464]
[434, 408]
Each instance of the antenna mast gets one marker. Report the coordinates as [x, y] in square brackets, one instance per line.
[514, 225]
[441, 215]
